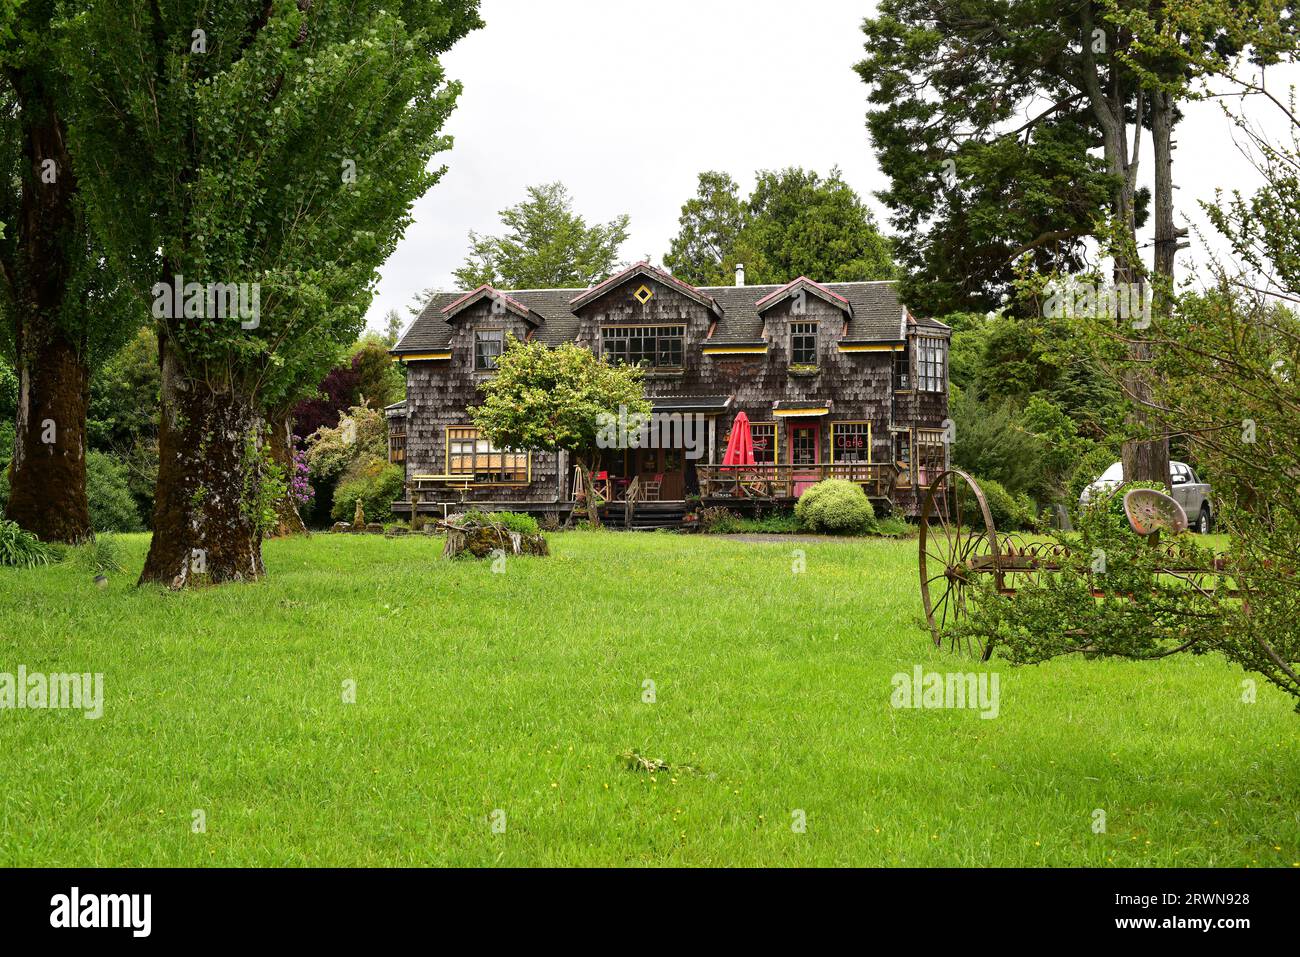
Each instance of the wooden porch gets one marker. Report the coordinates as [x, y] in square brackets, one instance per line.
[782, 482]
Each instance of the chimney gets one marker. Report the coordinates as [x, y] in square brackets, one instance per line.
[740, 274]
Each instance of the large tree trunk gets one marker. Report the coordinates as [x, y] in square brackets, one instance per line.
[1167, 233]
[47, 478]
[288, 521]
[205, 523]
[1143, 459]
[1148, 460]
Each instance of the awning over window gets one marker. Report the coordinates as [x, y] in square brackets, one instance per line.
[800, 409]
[706, 404]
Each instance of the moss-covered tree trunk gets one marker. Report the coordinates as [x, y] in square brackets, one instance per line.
[205, 523]
[47, 478]
[288, 519]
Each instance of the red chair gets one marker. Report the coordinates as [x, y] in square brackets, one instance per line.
[653, 487]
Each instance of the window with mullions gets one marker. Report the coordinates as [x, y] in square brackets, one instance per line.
[655, 347]
[850, 442]
[397, 441]
[470, 455]
[803, 343]
[903, 370]
[903, 457]
[931, 364]
[931, 456]
[764, 434]
[488, 346]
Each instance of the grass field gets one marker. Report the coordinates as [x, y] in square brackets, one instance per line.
[520, 691]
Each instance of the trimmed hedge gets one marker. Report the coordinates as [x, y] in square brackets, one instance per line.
[836, 507]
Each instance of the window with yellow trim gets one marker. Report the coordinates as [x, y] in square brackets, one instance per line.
[850, 441]
[472, 455]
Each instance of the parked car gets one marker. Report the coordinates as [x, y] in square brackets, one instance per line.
[1188, 491]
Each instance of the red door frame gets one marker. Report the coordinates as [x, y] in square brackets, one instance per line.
[803, 480]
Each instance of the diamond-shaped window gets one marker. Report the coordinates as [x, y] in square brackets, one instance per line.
[643, 295]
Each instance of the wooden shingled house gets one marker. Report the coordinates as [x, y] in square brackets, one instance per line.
[837, 379]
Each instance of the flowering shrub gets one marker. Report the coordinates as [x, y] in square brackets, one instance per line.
[300, 481]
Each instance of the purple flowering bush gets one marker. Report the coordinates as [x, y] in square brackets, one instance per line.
[299, 482]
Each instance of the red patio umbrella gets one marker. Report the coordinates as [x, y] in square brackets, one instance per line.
[740, 449]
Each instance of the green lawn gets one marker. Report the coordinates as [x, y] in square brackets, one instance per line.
[519, 691]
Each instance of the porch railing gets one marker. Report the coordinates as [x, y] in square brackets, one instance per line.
[878, 480]
[629, 501]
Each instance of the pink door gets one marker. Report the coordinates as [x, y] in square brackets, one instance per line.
[804, 446]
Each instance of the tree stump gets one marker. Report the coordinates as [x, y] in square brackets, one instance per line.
[484, 539]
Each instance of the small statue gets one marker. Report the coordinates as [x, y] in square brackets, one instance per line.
[359, 517]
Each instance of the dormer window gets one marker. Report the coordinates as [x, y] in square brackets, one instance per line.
[488, 346]
[654, 347]
[803, 343]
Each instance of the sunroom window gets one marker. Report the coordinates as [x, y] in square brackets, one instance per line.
[473, 456]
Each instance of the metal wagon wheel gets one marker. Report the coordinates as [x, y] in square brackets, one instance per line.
[953, 552]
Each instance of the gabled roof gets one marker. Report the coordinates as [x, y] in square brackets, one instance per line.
[485, 291]
[805, 284]
[652, 272]
[932, 326]
[877, 315]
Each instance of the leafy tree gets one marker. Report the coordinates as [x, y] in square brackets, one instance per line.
[992, 443]
[560, 400]
[392, 327]
[803, 225]
[123, 417]
[794, 223]
[8, 392]
[61, 311]
[704, 250]
[274, 145]
[124, 396]
[379, 378]
[1226, 364]
[339, 390]
[983, 122]
[547, 246]
[357, 448]
[108, 489]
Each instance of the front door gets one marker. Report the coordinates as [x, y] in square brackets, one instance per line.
[804, 446]
[667, 466]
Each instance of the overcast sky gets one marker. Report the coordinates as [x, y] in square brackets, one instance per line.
[626, 102]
